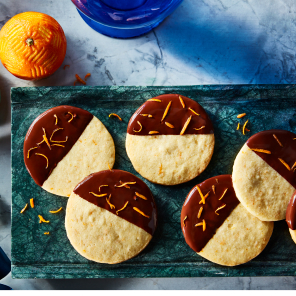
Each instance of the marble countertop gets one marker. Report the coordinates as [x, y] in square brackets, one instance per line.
[202, 42]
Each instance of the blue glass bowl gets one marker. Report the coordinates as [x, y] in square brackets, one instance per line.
[124, 18]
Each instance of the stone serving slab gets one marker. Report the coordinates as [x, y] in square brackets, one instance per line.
[35, 255]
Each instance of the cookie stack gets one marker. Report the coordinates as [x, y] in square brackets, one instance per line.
[111, 215]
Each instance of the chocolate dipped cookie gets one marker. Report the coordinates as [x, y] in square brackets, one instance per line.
[110, 217]
[291, 216]
[217, 226]
[170, 139]
[64, 145]
[264, 176]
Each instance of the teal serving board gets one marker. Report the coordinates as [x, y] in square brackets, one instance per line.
[35, 255]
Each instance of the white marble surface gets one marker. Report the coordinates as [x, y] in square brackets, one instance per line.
[202, 42]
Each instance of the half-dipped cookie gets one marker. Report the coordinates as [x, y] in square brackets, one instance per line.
[170, 139]
[264, 176]
[217, 226]
[291, 216]
[110, 216]
[64, 145]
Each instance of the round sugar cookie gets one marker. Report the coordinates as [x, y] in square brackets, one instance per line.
[217, 226]
[264, 177]
[64, 145]
[110, 216]
[170, 139]
[291, 216]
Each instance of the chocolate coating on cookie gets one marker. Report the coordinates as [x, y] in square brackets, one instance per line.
[134, 194]
[152, 118]
[214, 211]
[70, 122]
[291, 212]
[282, 147]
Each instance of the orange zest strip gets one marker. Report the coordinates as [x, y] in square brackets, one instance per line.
[122, 208]
[193, 111]
[26, 206]
[109, 203]
[28, 156]
[241, 115]
[41, 219]
[278, 140]
[185, 125]
[71, 117]
[293, 166]
[247, 130]
[66, 66]
[32, 203]
[146, 115]
[140, 212]
[199, 128]
[126, 183]
[109, 166]
[166, 111]
[203, 224]
[140, 195]
[102, 186]
[57, 211]
[237, 127]
[217, 181]
[223, 193]
[154, 100]
[213, 187]
[201, 195]
[116, 115]
[87, 76]
[199, 212]
[153, 132]
[79, 79]
[244, 127]
[285, 164]
[182, 102]
[140, 127]
[58, 145]
[261, 150]
[56, 122]
[44, 157]
[45, 138]
[220, 209]
[169, 124]
[205, 197]
[40, 142]
[98, 195]
[75, 82]
[46, 233]
[60, 128]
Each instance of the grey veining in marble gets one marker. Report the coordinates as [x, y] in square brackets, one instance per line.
[202, 42]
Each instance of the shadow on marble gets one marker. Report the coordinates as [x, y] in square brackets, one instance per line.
[5, 100]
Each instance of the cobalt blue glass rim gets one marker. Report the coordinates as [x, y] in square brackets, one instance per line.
[166, 12]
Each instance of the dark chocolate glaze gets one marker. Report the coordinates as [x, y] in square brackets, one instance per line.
[177, 116]
[195, 237]
[265, 140]
[291, 212]
[36, 165]
[119, 196]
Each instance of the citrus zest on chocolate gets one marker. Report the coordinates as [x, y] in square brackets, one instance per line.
[199, 212]
[102, 186]
[141, 127]
[140, 195]
[185, 125]
[98, 195]
[184, 221]
[122, 208]
[201, 195]
[220, 209]
[28, 156]
[146, 115]
[278, 140]
[125, 183]
[166, 111]
[223, 193]
[44, 157]
[109, 203]
[56, 121]
[285, 164]
[182, 102]
[153, 132]
[169, 124]
[57, 129]
[45, 138]
[71, 117]
[193, 111]
[155, 100]
[261, 150]
[199, 128]
[140, 212]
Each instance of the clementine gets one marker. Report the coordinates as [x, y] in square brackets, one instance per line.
[32, 45]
